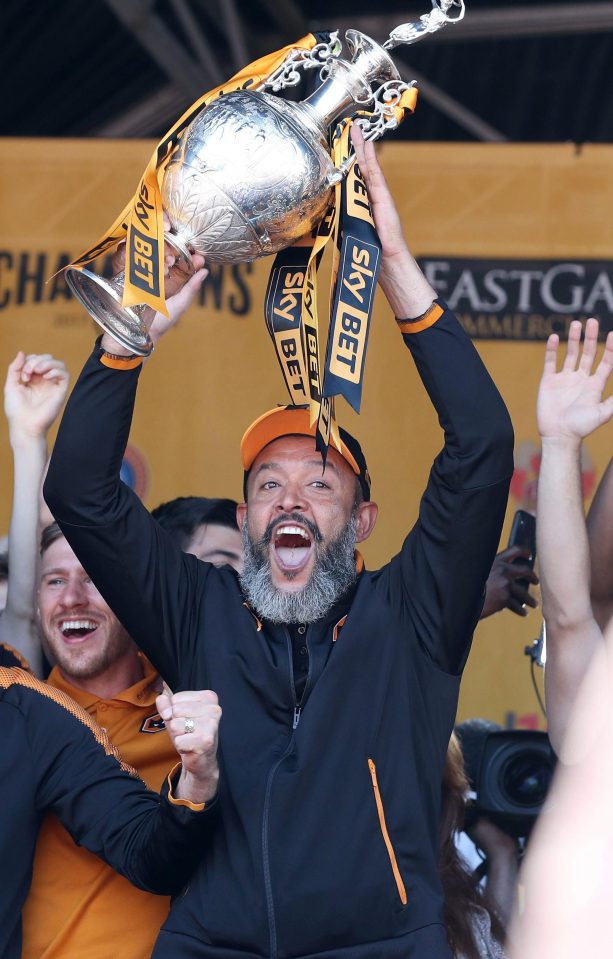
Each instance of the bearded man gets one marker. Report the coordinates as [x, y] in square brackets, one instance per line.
[339, 686]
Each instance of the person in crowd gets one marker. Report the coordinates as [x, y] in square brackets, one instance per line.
[567, 872]
[33, 399]
[566, 877]
[205, 527]
[476, 919]
[339, 686]
[600, 537]
[570, 406]
[75, 899]
[56, 758]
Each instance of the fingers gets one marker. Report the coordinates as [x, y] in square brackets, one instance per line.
[366, 156]
[516, 607]
[180, 301]
[44, 365]
[603, 370]
[572, 350]
[590, 345]
[551, 354]
[514, 552]
[13, 373]
[191, 718]
[606, 410]
[519, 571]
[520, 592]
[119, 257]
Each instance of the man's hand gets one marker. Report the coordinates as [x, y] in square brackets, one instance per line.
[179, 288]
[505, 588]
[34, 393]
[408, 292]
[382, 203]
[192, 721]
[570, 404]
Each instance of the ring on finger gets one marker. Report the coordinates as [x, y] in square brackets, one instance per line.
[189, 725]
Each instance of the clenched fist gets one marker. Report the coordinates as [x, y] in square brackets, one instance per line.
[192, 720]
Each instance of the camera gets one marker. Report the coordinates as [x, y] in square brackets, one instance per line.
[509, 771]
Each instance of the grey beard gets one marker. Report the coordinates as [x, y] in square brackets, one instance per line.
[333, 573]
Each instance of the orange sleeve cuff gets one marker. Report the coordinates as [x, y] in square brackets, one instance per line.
[428, 319]
[118, 363]
[194, 806]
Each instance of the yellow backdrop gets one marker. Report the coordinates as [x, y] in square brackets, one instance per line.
[216, 371]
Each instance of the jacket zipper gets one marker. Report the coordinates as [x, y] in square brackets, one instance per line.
[298, 705]
[270, 906]
[386, 838]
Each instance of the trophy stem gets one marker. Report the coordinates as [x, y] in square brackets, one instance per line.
[103, 301]
[348, 86]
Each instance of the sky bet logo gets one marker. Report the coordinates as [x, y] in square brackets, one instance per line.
[356, 290]
[143, 258]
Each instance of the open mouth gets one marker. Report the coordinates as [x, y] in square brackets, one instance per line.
[292, 547]
[76, 630]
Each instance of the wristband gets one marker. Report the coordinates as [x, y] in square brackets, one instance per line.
[115, 361]
[422, 322]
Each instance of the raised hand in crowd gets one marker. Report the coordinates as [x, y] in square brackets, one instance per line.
[566, 877]
[34, 393]
[179, 293]
[506, 585]
[192, 721]
[570, 406]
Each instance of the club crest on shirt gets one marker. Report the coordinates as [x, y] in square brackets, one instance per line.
[153, 724]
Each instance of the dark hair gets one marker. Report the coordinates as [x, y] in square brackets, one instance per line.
[463, 896]
[4, 567]
[182, 516]
[49, 536]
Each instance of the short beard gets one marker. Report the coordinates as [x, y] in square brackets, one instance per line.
[333, 573]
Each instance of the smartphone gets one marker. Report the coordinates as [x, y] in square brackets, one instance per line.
[523, 533]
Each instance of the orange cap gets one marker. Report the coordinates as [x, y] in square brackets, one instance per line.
[295, 421]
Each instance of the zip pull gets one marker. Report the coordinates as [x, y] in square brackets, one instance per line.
[297, 712]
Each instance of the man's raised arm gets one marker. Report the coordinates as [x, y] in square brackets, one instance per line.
[142, 575]
[447, 558]
[569, 408]
[34, 393]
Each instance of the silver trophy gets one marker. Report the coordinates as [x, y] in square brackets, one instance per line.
[253, 172]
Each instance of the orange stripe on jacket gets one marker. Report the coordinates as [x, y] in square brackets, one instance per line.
[423, 322]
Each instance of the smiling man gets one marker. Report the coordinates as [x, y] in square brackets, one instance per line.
[339, 685]
[302, 526]
[78, 905]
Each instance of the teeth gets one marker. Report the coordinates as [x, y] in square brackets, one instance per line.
[77, 624]
[291, 531]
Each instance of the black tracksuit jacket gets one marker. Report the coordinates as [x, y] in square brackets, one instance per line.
[326, 843]
[55, 757]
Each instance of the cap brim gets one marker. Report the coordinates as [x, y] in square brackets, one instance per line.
[279, 422]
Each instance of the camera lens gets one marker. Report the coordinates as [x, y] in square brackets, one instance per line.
[526, 777]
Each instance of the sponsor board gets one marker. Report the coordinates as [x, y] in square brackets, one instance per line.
[510, 299]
